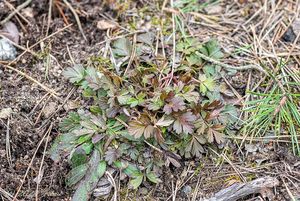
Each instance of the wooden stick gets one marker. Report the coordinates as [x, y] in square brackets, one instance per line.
[240, 190]
[20, 7]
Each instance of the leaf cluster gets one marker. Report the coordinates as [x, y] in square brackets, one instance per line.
[140, 117]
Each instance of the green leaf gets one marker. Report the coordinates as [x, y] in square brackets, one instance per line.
[93, 174]
[62, 145]
[71, 122]
[124, 98]
[207, 84]
[76, 174]
[209, 70]
[95, 109]
[87, 147]
[88, 92]
[78, 157]
[212, 49]
[122, 47]
[194, 59]
[189, 94]
[151, 176]
[133, 102]
[131, 170]
[155, 104]
[136, 182]
[75, 74]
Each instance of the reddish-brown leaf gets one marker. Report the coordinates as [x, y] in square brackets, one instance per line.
[174, 105]
[148, 131]
[136, 129]
[184, 123]
[158, 136]
[213, 105]
[214, 133]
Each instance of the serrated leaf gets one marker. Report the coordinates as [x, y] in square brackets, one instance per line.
[155, 104]
[207, 84]
[71, 122]
[136, 182]
[209, 70]
[87, 147]
[195, 146]
[76, 174]
[148, 131]
[189, 94]
[228, 115]
[184, 123]
[212, 49]
[174, 104]
[111, 155]
[194, 59]
[173, 161]
[96, 170]
[95, 109]
[151, 176]
[136, 129]
[124, 98]
[75, 74]
[141, 127]
[94, 78]
[164, 122]
[131, 170]
[213, 133]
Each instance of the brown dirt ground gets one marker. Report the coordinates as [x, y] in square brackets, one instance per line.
[28, 123]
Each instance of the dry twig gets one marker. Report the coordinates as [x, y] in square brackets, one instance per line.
[20, 7]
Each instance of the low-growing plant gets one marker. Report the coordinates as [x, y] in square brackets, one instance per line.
[139, 116]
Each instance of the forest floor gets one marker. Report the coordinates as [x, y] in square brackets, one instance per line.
[248, 32]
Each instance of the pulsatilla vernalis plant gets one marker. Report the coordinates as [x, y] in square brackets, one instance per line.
[136, 120]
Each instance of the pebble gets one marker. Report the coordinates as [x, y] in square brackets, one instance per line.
[7, 50]
[289, 36]
[5, 113]
[187, 189]
[49, 109]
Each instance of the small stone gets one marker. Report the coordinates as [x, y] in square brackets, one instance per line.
[5, 113]
[49, 109]
[71, 105]
[28, 12]
[213, 9]
[251, 148]
[187, 189]
[143, 191]
[296, 26]
[105, 24]
[148, 18]
[289, 36]
[7, 50]
[292, 32]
